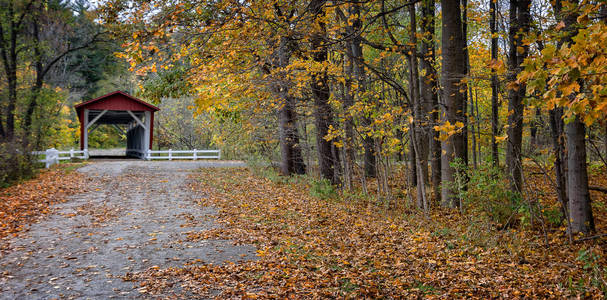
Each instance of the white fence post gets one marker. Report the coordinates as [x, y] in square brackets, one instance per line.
[52, 157]
[219, 154]
[71, 153]
[194, 154]
[170, 154]
[55, 156]
[47, 158]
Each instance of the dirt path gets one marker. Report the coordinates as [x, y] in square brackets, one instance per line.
[134, 215]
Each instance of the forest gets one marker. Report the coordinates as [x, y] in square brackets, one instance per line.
[489, 116]
[352, 90]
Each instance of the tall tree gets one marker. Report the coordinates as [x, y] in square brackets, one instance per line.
[419, 130]
[22, 42]
[577, 57]
[520, 20]
[349, 156]
[493, 11]
[290, 148]
[580, 209]
[355, 73]
[323, 113]
[464, 83]
[452, 106]
[429, 88]
[557, 135]
[12, 30]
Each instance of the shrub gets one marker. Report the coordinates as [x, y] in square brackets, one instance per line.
[594, 268]
[554, 216]
[484, 192]
[322, 188]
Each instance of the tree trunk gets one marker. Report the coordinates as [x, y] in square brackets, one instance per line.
[429, 88]
[320, 91]
[348, 101]
[370, 159]
[464, 84]
[519, 26]
[533, 127]
[422, 201]
[472, 129]
[35, 91]
[8, 49]
[352, 65]
[323, 118]
[556, 128]
[580, 210]
[368, 142]
[493, 6]
[478, 127]
[412, 158]
[419, 138]
[12, 100]
[605, 137]
[290, 149]
[354, 31]
[454, 66]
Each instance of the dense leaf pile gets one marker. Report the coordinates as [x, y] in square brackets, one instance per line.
[314, 248]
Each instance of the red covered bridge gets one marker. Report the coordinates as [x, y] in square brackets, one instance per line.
[119, 108]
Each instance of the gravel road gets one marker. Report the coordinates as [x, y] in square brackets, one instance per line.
[133, 215]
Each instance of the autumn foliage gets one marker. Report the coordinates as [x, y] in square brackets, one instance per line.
[342, 247]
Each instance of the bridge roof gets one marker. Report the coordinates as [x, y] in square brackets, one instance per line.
[117, 100]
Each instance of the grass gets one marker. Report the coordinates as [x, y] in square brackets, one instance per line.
[72, 166]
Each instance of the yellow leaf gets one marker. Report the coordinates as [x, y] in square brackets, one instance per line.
[520, 49]
[568, 89]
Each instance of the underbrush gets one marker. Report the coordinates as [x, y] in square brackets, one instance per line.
[592, 265]
[317, 187]
[486, 195]
[15, 165]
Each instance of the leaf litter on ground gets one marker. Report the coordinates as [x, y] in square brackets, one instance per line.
[310, 247]
[27, 202]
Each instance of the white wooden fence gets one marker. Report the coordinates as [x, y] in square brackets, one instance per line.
[53, 156]
[180, 154]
